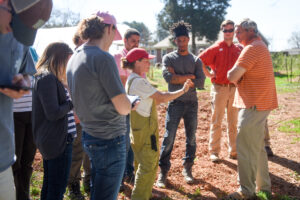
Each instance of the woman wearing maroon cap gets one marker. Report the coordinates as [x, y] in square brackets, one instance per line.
[101, 104]
[144, 124]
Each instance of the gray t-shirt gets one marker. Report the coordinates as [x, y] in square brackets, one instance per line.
[14, 58]
[94, 80]
[182, 65]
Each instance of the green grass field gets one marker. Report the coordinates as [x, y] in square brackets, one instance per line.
[283, 84]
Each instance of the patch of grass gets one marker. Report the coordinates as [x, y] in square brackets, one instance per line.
[292, 126]
[283, 86]
[295, 140]
[282, 83]
[181, 189]
[207, 85]
[35, 191]
[36, 184]
[295, 175]
[262, 195]
[155, 75]
[197, 193]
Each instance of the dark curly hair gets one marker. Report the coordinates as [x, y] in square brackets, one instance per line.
[91, 28]
[180, 28]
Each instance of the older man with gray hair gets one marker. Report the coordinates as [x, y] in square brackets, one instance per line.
[255, 97]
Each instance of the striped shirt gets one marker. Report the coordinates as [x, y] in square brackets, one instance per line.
[71, 119]
[257, 87]
[24, 104]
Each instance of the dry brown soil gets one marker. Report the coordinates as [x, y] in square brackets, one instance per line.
[214, 181]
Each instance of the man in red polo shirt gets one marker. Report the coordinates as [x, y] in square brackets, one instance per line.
[220, 57]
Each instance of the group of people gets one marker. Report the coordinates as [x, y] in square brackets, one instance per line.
[81, 100]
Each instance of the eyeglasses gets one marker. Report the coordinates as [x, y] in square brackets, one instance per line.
[228, 30]
[6, 9]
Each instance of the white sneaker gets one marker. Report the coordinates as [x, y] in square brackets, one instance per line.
[214, 158]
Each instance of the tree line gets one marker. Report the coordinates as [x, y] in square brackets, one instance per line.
[205, 16]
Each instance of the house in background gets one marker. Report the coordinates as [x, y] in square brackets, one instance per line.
[166, 46]
[291, 52]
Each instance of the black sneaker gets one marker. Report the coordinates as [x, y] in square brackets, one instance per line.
[187, 174]
[269, 151]
[74, 191]
[162, 180]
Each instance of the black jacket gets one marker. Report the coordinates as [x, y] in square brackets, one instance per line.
[49, 115]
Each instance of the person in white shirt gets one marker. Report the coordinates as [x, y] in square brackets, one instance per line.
[144, 123]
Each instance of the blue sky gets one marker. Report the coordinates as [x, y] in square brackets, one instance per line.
[276, 19]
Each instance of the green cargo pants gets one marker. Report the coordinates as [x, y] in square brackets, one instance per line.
[144, 143]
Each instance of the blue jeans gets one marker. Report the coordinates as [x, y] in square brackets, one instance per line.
[108, 159]
[56, 174]
[130, 156]
[177, 110]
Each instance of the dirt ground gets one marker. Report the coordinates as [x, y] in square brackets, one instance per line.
[214, 181]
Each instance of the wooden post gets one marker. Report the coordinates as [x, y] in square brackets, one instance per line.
[286, 68]
[291, 69]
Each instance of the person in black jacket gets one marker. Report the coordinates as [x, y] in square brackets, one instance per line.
[53, 120]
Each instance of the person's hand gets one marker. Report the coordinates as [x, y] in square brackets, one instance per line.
[188, 83]
[14, 93]
[18, 79]
[136, 103]
[191, 83]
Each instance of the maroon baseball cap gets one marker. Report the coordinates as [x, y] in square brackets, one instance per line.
[138, 53]
[28, 16]
[110, 19]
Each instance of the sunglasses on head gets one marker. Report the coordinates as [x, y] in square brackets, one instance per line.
[228, 30]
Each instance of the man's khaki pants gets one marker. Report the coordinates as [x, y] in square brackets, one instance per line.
[222, 98]
[251, 155]
[267, 135]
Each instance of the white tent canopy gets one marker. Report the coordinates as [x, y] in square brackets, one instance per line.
[46, 36]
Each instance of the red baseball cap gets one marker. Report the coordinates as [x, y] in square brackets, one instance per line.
[138, 53]
[110, 19]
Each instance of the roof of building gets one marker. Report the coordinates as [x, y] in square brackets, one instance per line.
[166, 43]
